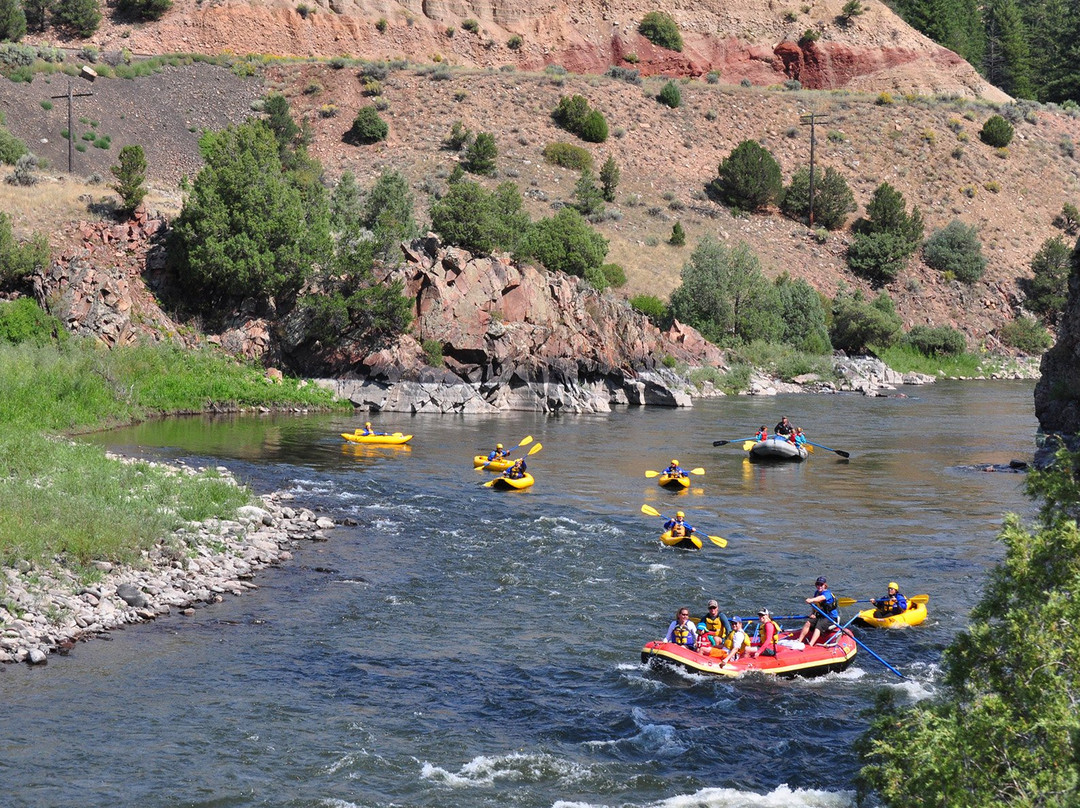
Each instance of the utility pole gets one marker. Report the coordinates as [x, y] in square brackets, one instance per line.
[811, 119]
[88, 74]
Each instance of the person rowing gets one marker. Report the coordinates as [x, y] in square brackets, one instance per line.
[678, 527]
[891, 603]
[517, 469]
[674, 470]
[497, 453]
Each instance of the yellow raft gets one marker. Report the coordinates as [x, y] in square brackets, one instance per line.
[387, 440]
[498, 464]
[674, 481]
[685, 542]
[915, 614]
[506, 483]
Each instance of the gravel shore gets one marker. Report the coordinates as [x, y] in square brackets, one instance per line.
[45, 609]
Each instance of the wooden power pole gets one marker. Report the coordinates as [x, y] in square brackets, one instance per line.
[811, 120]
[88, 74]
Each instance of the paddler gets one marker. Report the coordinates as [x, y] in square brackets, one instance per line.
[678, 527]
[682, 631]
[497, 453]
[891, 603]
[673, 470]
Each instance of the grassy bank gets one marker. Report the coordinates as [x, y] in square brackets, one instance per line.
[62, 499]
[906, 359]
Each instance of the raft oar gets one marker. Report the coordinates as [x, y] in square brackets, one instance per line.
[719, 541]
[840, 452]
[698, 471]
[725, 442]
[859, 642]
[524, 442]
[536, 448]
[923, 599]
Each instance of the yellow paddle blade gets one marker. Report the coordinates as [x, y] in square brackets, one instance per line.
[526, 440]
[698, 471]
[923, 599]
[536, 448]
[490, 483]
[746, 446]
[652, 473]
[846, 601]
[719, 541]
[649, 510]
[695, 541]
[809, 447]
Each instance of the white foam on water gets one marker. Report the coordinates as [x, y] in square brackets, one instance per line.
[781, 797]
[484, 770]
[334, 803]
[656, 739]
[922, 681]
[658, 569]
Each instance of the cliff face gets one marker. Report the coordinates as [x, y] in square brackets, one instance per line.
[755, 40]
[1057, 394]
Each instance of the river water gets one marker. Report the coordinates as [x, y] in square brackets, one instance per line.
[459, 646]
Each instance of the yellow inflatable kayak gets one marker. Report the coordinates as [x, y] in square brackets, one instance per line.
[674, 481]
[498, 464]
[507, 483]
[685, 542]
[389, 440]
[915, 614]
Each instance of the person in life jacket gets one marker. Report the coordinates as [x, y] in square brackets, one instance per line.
[737, 642]
[762, 433]
[716, 623]
[797, 437]
[892, 603]
[673, 470]
[682, 631]
[677, 526]
[768, 631]
[368, 430]
[824, 601]
[517, 469]
[497, 453]
[784, 427]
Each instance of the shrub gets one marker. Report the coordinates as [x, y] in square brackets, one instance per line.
[594, 128]
[1025, 334]
[939, 340]
[809, 37]
[595, 278]
[367, 128]
[19, 260]
[11, 148]
[12, 21]
[478, 220]
[1048, 290]
[79, 18]
[997, 132]
[568, 155]
[678, 235]
[956, 248]
[481, 154]
[565, 243]
[24, 171]
[575, 116]
[433, 352]
[833, 199]
[749, 178]
[670, 95]
[615, 274]
[515, 42]
[859, 325]
[652, 307]
[630, 75]
[885, 99]
[886, 238]
[661, 30]
[155, 9]
[459, 137]
[22, 320]
[1069, 218]
[470, 25]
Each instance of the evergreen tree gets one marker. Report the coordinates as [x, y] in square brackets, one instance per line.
[280, 120]
[79, 18]
[749, 178]
[803, 315]
[481, 154]
[589, 198]
[1006, 63]
[1048, 291]
[833, 199]
[37, 13]
[130, 175]
[144, 9]
[886, 238]
[566, 243]
[346, 204]
[609, 178]
[12, 21]
[481, 222]
[388, 214]
[678, 235]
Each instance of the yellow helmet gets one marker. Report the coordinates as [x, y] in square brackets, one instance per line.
[674, 462]
[679, 514]
[894, 585]
[498, 445]
[367, 423]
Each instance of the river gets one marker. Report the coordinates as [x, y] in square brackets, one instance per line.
[456, 646]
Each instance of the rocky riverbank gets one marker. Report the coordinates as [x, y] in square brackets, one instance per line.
[47, 608]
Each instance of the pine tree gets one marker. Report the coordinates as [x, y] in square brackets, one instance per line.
[79, 18]
[12, 21]
[609, 178]
[1007, 63]
[130, 175]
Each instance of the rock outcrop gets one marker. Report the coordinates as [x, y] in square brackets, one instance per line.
[1057, 394]
[515, 338]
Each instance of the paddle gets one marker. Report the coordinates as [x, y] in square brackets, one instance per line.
[536, 448]
[698, 471]
[725, 442]
[860, 643]
[923, 599]
[840, 452]
[524, 442]
[648, 510]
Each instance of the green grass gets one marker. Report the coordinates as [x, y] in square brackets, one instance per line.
[62, 500]
[783, 360]
[905, 359]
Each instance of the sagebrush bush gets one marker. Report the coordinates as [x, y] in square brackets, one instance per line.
[568, 155]
[997, 132]
[956, 248]
[661, 30]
